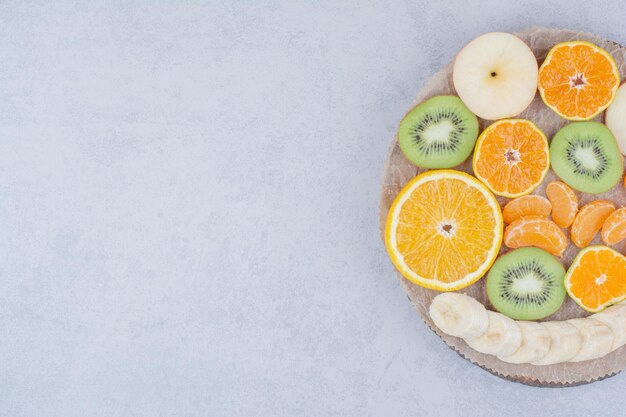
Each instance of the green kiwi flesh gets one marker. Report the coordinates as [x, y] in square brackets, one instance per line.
[438, 133]
[526, 284]
[585, 155]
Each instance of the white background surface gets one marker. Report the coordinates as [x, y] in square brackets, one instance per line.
[189, 206]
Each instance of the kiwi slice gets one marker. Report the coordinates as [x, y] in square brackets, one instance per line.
[526, 284]
[438, 133]
[585, 155]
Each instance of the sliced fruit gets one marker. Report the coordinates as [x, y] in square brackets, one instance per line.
[535, 343]
[537, 232]
[589, 221]
[565, 342]
[459, 315]
[597, 339]
[496, 75]
[564, 203]
[528, 205]
[578, 80]
[444, 230]
[438, 133]
[614, 227]
[511, 157]
[502, 338]
[526, 284]
[615, 318]
[615, 120]
[585, 156]
[597, 278]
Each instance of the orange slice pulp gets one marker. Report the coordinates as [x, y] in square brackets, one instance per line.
[444, 230]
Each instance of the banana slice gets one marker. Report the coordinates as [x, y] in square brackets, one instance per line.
[459, 315]
[615, 318]
[502, 338]
[535, 344]
[566, 342]
[597, 339]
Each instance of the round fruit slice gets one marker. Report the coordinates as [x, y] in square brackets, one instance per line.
[526, 284]
[538, 232]
[496, 75]
[444, 230]
[511, 157]
[597, 278]
[535, 343]
[438, 133]
[597, 339]
[578, 80]
[528, 205]
[566, 342]
[585, 156]
[614, 227]
[502, 338]
[615, 120]
[564, 203]
[589, 221]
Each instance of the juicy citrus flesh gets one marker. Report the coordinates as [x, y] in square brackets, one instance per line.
[511, 157]
[528, 205]
[614, 227]
[578, 80]
[589, 221]
[564, 203]
[538, 232]
[597, 278]
[444, 230]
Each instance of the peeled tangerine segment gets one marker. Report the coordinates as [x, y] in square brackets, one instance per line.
[589, 221]
[444, 230]
[614, 227]
[528, 205]
[496, 75]
[538, 232]
[511, 157]
[564, 203]
[578, 80]
[597, 278]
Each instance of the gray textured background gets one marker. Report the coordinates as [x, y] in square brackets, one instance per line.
[188, 210]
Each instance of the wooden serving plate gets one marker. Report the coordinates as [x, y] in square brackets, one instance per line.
[398, 171]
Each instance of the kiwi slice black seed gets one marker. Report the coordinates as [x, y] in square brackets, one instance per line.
[438, 133]
[526, 284]
[585, 155]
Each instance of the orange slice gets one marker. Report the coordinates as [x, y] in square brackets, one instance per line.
[589, 221]
[578, 80]
[444, 230]
[528, 205]
[614, 227]
[538, 232]
[564, 203]
[511, 157]
[597, 278]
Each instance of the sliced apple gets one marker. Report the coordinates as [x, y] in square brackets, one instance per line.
[496, 75]
[615, 118]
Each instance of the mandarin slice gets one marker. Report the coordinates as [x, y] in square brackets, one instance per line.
[578, 80]
[597, 278]
[538, 232]
[564, 203]
[511, 157]
[589, 221]
[528, 205]
[614, 227]
[444, 230]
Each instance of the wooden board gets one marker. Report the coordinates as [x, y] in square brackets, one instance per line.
[398, 171]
